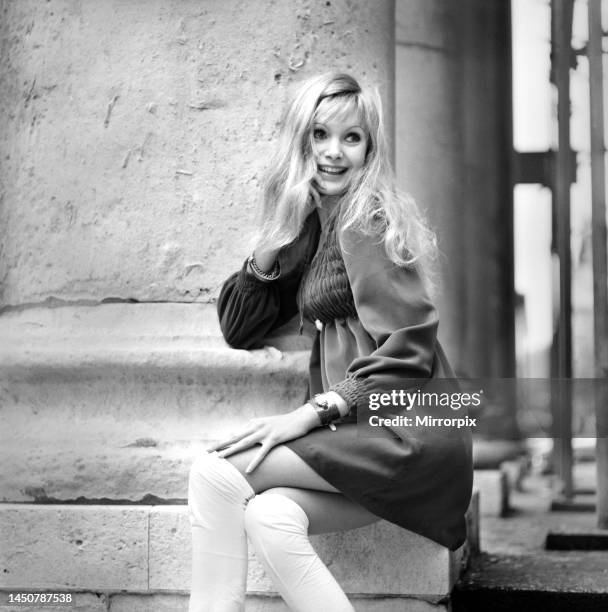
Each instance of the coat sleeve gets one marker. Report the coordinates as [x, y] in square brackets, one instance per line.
[249, 309]
[394, 308]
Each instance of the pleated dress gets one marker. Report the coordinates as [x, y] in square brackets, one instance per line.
[377, 334]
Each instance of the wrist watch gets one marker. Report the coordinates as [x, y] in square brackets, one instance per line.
[326, 411]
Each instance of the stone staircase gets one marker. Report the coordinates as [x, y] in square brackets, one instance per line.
[103, 408]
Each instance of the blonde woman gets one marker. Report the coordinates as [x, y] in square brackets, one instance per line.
[340, 247]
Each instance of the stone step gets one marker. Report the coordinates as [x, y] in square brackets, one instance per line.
[146, 549]
[545, 581]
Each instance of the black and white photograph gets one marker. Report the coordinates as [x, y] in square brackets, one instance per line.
[303, 306]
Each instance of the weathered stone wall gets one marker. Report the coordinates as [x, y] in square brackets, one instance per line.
[133, 134]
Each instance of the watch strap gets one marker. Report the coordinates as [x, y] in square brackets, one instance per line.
[326, 411]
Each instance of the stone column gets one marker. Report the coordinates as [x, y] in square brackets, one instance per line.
[134, 135]
[453, 121]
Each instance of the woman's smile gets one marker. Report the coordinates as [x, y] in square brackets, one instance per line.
[332, 170]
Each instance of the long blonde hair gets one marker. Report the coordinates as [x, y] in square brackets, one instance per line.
[372, 204]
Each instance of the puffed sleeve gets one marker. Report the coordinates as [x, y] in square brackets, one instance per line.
[249, 308]
[394, 308]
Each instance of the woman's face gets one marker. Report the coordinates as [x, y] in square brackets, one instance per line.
[339, 147]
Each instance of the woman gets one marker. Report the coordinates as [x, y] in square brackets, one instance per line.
[338, 245]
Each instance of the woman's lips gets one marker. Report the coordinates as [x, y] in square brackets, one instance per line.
[332, 170]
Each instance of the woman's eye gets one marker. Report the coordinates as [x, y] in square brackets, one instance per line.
[318, 134]
[353, 137]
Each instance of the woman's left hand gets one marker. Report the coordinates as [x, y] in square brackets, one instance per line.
[315, 197]
[269, 432]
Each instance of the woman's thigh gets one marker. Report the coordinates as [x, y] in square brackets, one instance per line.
[280, 468]
[328, 512]
[282, 471]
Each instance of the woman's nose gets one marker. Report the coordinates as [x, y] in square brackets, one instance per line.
[334, 148]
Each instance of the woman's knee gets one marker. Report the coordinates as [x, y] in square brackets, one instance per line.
[210, 472]
[272, 512]
[202, 468]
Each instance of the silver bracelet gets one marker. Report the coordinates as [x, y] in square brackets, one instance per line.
[264, 276]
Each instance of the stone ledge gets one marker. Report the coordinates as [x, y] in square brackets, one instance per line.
[147, 549]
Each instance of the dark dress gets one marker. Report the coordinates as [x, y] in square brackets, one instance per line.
[377, 333]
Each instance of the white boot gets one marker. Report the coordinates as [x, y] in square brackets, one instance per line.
[217, 496]
[278, 530]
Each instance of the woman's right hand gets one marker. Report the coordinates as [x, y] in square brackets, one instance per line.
[265, 259]
[268, 432]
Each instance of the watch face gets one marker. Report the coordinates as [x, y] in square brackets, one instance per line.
[323, 403]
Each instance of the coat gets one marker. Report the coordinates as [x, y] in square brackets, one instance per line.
[378, 334]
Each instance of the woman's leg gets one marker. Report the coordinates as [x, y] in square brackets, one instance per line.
[278, 523]
[284, 469]
[327, 512]
[280, 468]
[217, 496]
[278, 528]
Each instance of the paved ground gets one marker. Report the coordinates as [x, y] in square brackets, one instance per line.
[524, 530]
[516, 572]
